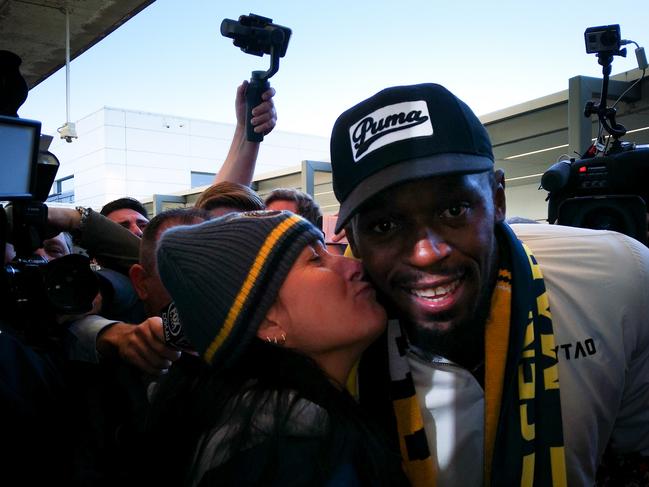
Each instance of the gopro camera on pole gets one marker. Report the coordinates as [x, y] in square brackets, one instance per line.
[257, 35]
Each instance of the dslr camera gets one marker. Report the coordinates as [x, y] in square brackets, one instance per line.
[606, 188]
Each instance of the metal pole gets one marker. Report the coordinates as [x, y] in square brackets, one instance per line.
[67, 64]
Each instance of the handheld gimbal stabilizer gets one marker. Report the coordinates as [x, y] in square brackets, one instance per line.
[258, 36]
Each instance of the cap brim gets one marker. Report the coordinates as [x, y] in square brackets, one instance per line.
[425, 167]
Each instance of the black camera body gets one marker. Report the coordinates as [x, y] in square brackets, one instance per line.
[605, 38]
[605, 193]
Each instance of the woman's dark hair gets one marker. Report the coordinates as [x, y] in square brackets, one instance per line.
[194, 395]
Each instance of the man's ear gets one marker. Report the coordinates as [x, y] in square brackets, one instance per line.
[500, 203]
[138, 275]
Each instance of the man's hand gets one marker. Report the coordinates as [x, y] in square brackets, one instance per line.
[95, 310]
[239, 165]
[264, 114]
[62, 220]
[140, 345]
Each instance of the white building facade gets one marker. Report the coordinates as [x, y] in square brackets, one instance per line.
[122, 152]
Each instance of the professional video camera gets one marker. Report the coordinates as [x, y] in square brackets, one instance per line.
[257, 35]
[32, 291]
[607, 188]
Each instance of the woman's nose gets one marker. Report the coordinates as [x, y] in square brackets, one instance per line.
[350, 269]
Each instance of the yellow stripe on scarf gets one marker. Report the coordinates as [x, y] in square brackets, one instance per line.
[408, 414]
[248, 284]
[496, 346]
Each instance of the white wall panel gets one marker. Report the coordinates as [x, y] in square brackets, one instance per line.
[114, 137]
[208, 147]
[155, 160]
[203, 128]
[114, 117]
[157, 175]
[115, 156]
[115, 171]
[151, 141]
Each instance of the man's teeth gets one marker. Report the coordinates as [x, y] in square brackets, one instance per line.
[436, 292]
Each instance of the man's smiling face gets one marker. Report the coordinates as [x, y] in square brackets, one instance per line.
[429, 247]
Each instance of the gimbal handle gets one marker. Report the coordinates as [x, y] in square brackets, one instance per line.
[258, 86]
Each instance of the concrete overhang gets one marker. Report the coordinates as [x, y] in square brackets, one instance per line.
[35, 30]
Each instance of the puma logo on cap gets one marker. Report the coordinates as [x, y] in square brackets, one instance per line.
[390, 124]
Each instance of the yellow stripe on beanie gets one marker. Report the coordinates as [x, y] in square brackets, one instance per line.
[248, 284]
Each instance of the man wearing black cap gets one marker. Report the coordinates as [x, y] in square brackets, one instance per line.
[476, 381]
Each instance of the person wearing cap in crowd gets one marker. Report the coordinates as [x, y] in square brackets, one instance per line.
[127, 212]
[279, 323]
[514, 355]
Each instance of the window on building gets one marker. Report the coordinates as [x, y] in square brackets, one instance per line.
[62, 191]
[202, 178]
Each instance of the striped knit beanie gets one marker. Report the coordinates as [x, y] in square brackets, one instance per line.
[225, 274]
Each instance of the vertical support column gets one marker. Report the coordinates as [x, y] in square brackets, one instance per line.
[580, 90]
[308, 174]
[307, 178]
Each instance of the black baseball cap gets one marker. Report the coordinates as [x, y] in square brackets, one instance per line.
[401, 134]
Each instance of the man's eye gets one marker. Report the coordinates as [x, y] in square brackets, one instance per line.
[455, 211]
[383, 227]
[55, 251]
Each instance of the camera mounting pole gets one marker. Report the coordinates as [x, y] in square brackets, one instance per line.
[604, 113]
[257, 35]
[605, 41]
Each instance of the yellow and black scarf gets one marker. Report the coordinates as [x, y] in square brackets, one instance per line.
[523, 429]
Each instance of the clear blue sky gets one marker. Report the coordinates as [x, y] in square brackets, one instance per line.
[171, 58]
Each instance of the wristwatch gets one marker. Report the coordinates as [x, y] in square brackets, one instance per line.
[83, 213]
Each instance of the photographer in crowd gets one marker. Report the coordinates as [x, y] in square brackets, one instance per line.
[514, 355]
